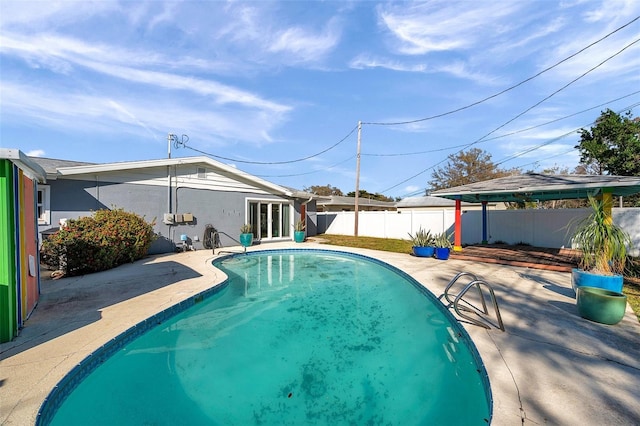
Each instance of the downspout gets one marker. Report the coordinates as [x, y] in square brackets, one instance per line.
[303, 206]
[97, 191]
[169, 138]
[168, 189]
[305, 210]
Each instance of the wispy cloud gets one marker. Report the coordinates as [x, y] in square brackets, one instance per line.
[37, 15]
[305, 45]
[36, 153]
[62, 54]
[263, 38]
[364, 61]
[444, 26]
[86, 113]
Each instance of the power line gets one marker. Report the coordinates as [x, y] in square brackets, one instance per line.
[522, 113]
[507, 89]
[511, 133]
[559, 90]
[565, 117]
[551, 156]
[235, 160]
[414, 153]
[309, 173]
[630, 107]
[520, 154]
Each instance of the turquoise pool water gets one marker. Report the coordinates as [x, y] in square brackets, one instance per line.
[295, 337]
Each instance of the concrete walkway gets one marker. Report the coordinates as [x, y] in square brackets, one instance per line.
[549, 367]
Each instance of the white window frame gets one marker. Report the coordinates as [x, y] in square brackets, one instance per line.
[269, 202]
[44, 218]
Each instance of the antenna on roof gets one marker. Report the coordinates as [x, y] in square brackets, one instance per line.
[171, 138]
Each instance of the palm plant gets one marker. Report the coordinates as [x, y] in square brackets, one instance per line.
[246, 229]
[442, 240]
[422, 238]
[604, 245]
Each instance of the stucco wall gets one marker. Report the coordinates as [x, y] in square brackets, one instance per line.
[225, 210]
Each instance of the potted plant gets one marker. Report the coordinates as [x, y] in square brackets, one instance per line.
[246, 235]
[599, 279]
[422, 243]
[443, 246]
[298, 233]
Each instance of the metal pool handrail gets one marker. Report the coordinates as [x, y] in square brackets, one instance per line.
[482, 317]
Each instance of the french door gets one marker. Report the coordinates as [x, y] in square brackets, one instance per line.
[270, 219]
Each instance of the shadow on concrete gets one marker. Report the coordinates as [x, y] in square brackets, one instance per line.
[71, 303]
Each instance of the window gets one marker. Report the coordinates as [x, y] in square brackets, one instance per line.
[202, 173]
[42, 206]
[269, 219]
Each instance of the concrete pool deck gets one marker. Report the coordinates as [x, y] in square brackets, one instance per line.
[549, 367]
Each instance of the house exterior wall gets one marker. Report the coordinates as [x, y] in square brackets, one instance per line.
[30, 288]
[19, 272]
[8, 323]
[212, 198]
[72, 199]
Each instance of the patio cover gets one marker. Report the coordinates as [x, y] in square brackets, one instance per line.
[534, 187]
[539, 187]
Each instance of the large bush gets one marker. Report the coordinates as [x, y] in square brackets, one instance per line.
[102, 241]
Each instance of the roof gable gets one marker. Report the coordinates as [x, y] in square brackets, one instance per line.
[223, 169]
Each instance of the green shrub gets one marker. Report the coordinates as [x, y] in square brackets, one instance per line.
[102, 241]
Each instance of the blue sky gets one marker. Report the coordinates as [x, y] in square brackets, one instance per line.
[275, 82]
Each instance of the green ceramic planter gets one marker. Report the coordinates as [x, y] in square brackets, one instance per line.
[600, 305]
[298, 236]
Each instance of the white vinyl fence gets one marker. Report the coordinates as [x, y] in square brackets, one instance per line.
[537, 227]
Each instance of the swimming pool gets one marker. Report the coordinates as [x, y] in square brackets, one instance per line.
[292, 337]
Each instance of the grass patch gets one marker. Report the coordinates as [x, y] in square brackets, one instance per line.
[382, 244]
[632, 285]
[631, 282]
[632, 290]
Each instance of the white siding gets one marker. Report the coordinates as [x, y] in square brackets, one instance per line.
[185, 176]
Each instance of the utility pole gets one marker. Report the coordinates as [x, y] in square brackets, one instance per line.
[355, 228]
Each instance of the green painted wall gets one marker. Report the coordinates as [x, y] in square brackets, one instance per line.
[8, 325]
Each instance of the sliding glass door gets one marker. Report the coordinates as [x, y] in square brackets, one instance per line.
[269, 219]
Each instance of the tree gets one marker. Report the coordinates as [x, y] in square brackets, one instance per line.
[326, 190]
[612, 146]
[562, 204]
[363, 193]
[466, 167]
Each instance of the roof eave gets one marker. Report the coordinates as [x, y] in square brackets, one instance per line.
[30, 168]
[111, 167]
